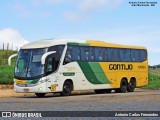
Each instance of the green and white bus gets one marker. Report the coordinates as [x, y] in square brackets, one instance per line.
[61, 66]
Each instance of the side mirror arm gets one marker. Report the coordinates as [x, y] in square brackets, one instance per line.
[9, 59]
[44, 56]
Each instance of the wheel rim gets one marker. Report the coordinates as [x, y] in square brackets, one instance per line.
[124, 86]
[67, 88]
[132, 84]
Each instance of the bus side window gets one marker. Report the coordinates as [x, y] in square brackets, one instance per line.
[68, 56]
[105, 55]
[115, 54]
[111, 54]
[75, 53]
[125, 55]
[143, 55]
[135, 55]
[50, 65]
[96, 52]
[100, 54]
[128, 55]
[85, 53]
[91, 57]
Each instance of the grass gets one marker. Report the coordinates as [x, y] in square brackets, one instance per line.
[154, 79]
[155, 71]
[4, 55]
[6, 72]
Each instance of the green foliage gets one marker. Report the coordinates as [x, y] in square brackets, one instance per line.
[6, 74]
[155, 71]
[4, 55]
[153, 79]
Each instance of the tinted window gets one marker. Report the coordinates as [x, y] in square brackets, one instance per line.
[59, 49]
[85, 53]
[75, 53]
[68, 56]
[100, 54]
[143, 55]
[125, 55]
[135, 55]
[113, 54]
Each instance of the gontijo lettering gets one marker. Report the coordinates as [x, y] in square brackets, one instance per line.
[120, 66]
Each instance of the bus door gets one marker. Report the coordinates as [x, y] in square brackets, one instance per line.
[51, 67]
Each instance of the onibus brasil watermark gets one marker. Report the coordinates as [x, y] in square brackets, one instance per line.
[21, 114]
[38, 114]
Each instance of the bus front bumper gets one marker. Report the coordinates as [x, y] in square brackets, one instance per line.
[40, 88]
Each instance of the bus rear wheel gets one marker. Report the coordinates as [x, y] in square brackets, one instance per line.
[40, 94]
[131, 85]
[67, 88]
[123, 86]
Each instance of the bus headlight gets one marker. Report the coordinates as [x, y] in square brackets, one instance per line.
[43, 80]
[40, 89]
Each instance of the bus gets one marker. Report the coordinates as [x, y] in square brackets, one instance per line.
[64, 65]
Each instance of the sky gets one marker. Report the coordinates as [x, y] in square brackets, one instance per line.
[116, 21]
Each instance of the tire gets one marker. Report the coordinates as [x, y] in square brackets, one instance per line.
[123, 87]
[131, 85]
[67, 88]
[40, 94]
[103, 91]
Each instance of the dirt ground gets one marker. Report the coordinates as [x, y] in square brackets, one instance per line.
[8, 91]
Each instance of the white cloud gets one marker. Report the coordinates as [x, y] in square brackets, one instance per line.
[26, 10]
[95, 5]
[37, 3]
[17, 6]
[86, 7]
[54, 1]
[71, 16]
[12, 37]
[92, 5]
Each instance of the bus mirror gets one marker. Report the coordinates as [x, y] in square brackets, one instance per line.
[43, 58]
[9, 59]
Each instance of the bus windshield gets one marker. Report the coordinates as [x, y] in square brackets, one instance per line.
[28, 64]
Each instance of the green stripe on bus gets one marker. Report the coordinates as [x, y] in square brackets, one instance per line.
[68, 73]
[87, 70]
[99, 73]
[93, 72]
[77, 44]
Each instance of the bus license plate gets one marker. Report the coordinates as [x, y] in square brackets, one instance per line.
[26, 90]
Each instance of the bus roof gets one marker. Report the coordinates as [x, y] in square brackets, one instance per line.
[48, 43]
[108, 44]
[52, 42]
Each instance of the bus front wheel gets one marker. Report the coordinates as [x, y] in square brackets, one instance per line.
[123, 86]
[40, 94]
[67, 88]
